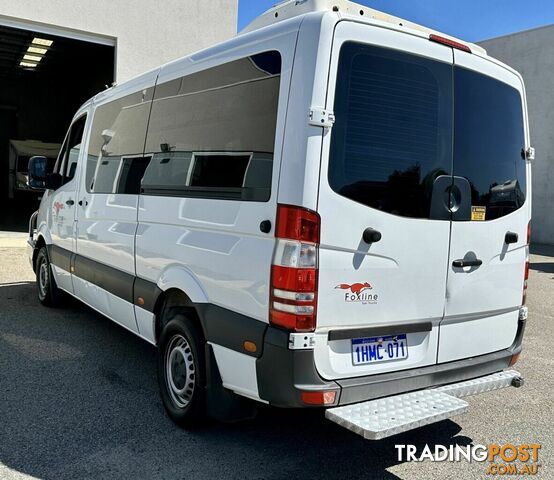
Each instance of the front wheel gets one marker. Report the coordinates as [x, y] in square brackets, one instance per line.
[181, 372]
[48, 292]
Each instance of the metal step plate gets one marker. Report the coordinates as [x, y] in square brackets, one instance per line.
[481, 384]
[388, 416]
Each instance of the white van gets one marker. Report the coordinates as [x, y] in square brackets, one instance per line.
[306, 215]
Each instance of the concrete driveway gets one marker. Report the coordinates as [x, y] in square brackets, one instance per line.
[79, 399]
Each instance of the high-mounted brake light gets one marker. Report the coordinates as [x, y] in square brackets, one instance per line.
[449, 43]
[294, 270]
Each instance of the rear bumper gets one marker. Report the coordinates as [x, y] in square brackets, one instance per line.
[284, 374]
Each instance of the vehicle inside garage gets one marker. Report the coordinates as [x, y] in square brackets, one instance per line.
[44, 78]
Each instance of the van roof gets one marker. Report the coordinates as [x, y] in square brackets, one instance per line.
[274, 18]
[293, 8]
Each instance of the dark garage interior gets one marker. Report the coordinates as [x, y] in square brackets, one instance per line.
[43, 80]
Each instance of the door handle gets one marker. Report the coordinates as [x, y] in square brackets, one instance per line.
[83, 201]
[467, 263]
[371, 235]
[69, 202]
[511, 237]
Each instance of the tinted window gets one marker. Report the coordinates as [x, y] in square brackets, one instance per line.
[393, 129]
[115, 161]
[212, 133]
[488, 142]
[69, 154]
[130, 174]
[214, 170]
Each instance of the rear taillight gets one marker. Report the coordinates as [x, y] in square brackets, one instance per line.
[325, 397]
[449, 43]
[294, 270]
[526, 273]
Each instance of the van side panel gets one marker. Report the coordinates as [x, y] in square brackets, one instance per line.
[208, 228]
[299, 182]
[215, 137]
[108, 199]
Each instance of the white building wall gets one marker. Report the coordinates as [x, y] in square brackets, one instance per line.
[532, 54]
[147, 33]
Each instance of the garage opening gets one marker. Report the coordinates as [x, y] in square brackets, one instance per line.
[44, 78]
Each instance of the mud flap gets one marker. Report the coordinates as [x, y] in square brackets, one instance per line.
[222, 404]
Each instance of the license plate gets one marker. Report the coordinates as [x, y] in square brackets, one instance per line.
[379, 349]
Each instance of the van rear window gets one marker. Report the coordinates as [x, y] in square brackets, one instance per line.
[404, 120]
[489, 141]
[393, 129]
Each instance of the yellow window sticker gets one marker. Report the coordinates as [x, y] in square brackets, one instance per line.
[478, 213]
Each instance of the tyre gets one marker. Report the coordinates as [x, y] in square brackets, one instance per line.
[182, 372]
[48, 292]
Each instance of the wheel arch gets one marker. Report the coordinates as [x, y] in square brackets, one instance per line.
[39, 243]
[180, 289]
[171, 302]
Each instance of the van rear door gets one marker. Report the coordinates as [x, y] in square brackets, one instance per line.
[386, 166]
[483, 298]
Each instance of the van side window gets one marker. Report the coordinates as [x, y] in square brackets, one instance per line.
[116, 163]
[489, 140]
[212, 133]
[393, 132]
[69, 155]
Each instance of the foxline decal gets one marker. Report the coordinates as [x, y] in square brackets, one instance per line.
[359, 292]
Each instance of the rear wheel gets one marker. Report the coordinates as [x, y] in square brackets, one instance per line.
[48, 292]
[181, 371]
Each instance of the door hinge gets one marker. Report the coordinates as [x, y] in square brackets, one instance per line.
[530, 153]
[320, 117]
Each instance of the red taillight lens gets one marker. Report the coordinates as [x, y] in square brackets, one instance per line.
[449, 43]
[319, 398]
[529, 233]
[297, 223]
[294, 279]
[294, 271]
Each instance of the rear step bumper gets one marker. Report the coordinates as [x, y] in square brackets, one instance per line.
[377, 419]
[284, 374]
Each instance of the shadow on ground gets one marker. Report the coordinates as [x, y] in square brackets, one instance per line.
[79, 399]
[543, 267]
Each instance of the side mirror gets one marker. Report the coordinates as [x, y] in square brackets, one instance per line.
[37, 172]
